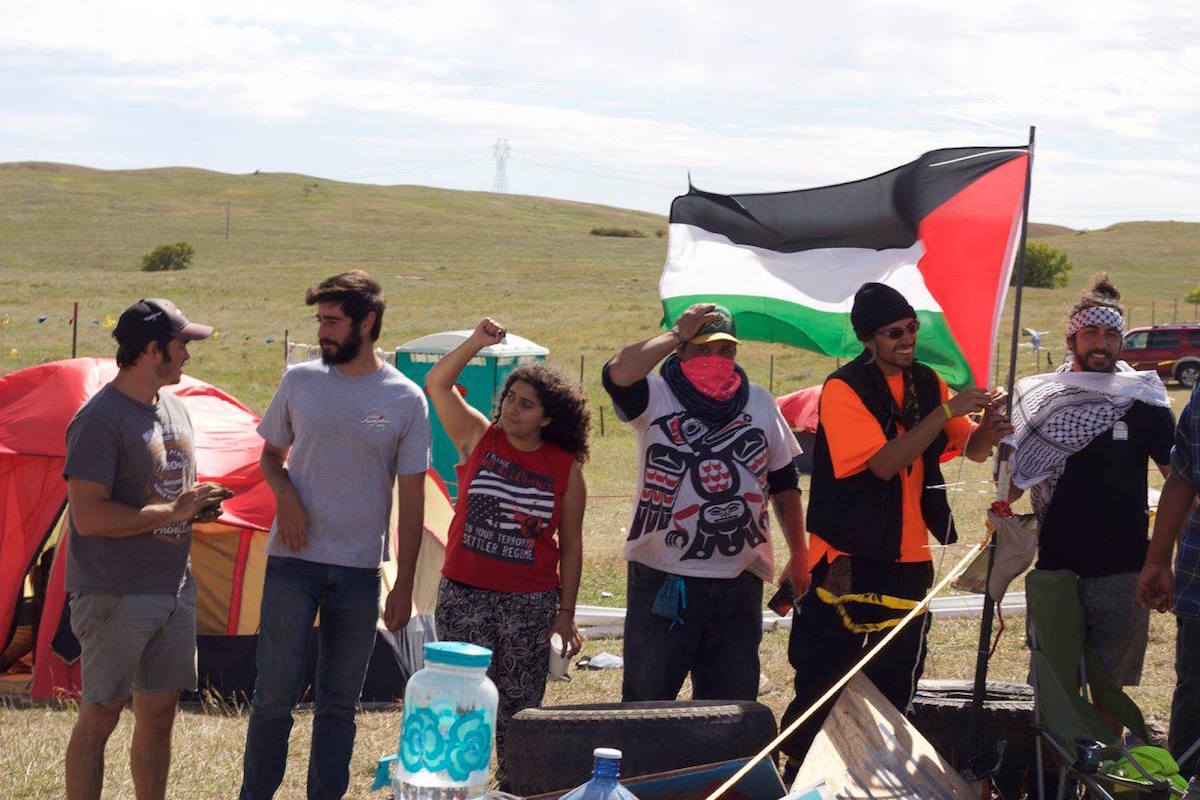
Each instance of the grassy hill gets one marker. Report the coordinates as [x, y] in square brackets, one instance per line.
[444, 257]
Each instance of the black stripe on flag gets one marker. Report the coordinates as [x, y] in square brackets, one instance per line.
[878, 213]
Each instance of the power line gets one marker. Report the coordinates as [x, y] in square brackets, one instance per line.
[609, 176]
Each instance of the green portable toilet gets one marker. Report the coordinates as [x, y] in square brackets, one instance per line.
[481, 381]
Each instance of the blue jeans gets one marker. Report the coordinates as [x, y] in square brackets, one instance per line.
[1185, 705]
[293, 592]
[716, 638]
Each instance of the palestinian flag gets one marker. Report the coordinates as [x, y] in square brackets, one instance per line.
[943, 230]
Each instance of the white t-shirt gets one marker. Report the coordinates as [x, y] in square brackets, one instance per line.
[701, 503]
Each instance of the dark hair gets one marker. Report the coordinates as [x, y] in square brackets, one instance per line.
[128, 352]
[563, 401]
[356, 292]
[1100, 293]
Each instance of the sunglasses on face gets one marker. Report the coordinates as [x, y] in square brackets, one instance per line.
[897, 332]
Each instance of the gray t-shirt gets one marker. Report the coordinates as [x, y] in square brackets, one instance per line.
[350, 436]
[144, 455]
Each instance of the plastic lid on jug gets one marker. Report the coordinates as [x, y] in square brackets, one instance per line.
[458, 654]
[608, 762]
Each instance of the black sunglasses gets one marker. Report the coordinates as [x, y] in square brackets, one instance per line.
[896, 333]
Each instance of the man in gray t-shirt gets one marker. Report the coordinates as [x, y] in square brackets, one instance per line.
[348, 427]
[131, 486]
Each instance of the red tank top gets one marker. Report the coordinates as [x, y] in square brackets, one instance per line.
[506, 518]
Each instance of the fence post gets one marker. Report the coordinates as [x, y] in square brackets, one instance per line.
[1175, 310]
[581, 369]
[1152, 314]
[74, 328]
[601, 421]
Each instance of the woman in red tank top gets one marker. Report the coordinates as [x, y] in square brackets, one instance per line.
[514, 552]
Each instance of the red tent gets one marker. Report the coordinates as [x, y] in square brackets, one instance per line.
[801, 410]
[228, 555]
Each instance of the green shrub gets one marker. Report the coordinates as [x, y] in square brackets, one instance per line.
[625, 233]
[168, 257]
[1193, 296]
[1046, 267]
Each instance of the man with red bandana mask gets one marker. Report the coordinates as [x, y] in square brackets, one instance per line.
[712, 448]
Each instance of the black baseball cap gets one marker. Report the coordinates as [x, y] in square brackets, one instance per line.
[152, 319]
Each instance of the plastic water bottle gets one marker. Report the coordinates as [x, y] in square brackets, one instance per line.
[448, 726]
[603, 784]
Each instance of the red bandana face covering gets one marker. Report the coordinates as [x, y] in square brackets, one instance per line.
[713, 376]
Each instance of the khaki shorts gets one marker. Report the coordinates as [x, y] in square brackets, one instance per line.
[135, 643]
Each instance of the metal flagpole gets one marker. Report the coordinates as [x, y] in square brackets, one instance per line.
[985, 625]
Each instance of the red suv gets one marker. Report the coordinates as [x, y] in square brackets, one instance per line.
[1172, 350]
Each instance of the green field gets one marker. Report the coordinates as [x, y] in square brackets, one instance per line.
[446, 258]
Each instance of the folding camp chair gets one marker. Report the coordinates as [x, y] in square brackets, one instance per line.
[1088, 754]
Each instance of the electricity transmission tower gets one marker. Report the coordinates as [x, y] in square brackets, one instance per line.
[501, 151]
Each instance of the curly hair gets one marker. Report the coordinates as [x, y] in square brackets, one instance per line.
[1100, 293]
[563, 401]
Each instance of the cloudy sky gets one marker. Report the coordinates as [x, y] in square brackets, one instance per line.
[616, 102]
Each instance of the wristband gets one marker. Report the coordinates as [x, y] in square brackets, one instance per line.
[565, 608]
[949, 413]
[674, 331]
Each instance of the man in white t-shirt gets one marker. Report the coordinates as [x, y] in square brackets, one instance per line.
[712, 447]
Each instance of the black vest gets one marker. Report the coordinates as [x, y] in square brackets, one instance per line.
[862, 514]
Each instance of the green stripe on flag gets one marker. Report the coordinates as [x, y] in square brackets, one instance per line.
[767, 319]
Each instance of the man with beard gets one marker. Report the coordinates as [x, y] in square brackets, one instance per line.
[877, 493]
[348, 426]
[712, 447]
[131, 482]
[1084, 436]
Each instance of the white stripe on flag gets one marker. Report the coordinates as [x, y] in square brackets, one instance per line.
[702, 262]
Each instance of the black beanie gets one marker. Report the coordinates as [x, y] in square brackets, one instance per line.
[875, 305]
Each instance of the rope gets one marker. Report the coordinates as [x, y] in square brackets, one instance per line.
[917, 610]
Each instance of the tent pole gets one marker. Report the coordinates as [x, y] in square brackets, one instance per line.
[985, 624]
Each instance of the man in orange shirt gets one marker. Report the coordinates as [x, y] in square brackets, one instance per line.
[877, 487]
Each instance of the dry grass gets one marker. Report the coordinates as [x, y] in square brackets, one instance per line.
[445, 259]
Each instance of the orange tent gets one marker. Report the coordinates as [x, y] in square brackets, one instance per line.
[228, 556]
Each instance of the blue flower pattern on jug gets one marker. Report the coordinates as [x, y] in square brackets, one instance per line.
[437, 740]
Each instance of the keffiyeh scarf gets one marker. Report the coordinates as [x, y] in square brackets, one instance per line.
[1097, 316]
[1057, 414]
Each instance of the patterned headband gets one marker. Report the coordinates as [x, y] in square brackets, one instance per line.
[1096, 316]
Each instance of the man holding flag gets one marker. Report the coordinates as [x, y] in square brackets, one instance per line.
[877, 488]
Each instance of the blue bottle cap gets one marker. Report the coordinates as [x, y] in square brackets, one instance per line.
[458, 654]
